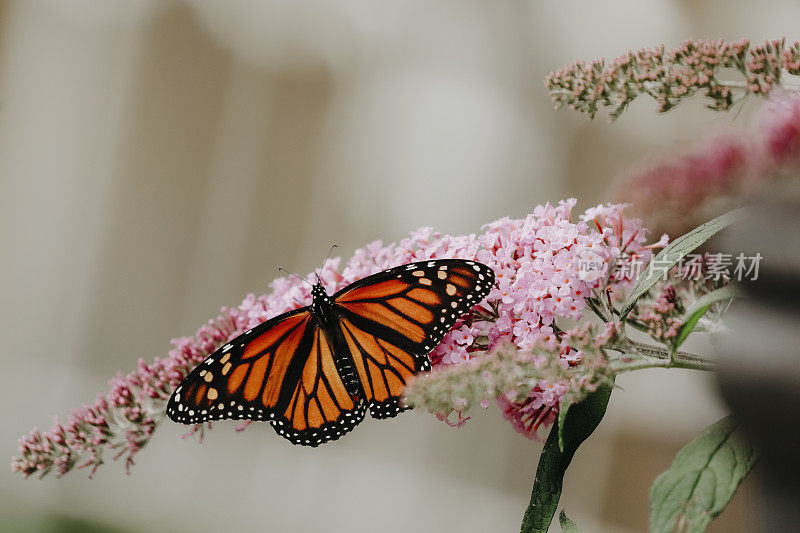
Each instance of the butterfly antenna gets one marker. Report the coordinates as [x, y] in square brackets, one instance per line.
[295, 275]
[326, 261]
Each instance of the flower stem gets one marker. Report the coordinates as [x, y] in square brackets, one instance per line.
[649, 356]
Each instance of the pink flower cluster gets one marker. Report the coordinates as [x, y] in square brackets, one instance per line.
[538, 410]
[672, 77]
[577, 347]
[547, 264]
[683, 189]
[529, 385]
[662, 317]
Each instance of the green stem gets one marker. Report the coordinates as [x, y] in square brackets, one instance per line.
[581, 420]
[636, 324]
[621, 367]
[595, 304]
[649, 356]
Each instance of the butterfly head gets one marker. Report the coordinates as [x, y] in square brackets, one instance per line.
[319, 292]
[322, 304]
[320, 296]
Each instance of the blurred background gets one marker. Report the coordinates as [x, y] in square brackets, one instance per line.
[159, 159]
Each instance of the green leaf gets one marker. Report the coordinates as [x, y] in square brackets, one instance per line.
[701, 307]
[702, 479]
[567, 525]
[673, 253]
[580, 422]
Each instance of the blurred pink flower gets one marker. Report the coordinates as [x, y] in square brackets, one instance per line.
[781, 132]
[685, 188]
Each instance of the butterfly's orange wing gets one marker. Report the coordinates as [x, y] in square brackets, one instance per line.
[391, 320]
[319, 408]
[283, 371]
[314, 384]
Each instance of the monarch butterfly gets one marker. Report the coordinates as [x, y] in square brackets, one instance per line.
[313, 372]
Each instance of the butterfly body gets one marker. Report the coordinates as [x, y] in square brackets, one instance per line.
[314, 372]
[323, 310]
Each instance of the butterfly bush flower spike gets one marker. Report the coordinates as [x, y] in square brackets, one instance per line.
[548, 265]
[122, 421]
[670, 77]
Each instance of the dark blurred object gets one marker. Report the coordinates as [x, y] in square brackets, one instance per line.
[759, 359]
[25, 519]
[61, 523]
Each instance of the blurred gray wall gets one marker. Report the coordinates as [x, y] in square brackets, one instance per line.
[159, 159]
